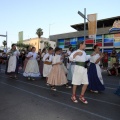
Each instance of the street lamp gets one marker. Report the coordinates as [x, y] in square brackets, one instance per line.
[84, 16]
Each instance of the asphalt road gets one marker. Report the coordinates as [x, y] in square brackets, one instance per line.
[33, 100]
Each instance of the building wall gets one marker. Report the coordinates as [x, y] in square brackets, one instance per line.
[36, 43]
[104, 39]
[78, 34]
[32, 41]
[52, 43]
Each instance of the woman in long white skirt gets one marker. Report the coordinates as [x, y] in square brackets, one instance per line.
[12, 68]
[32, 68]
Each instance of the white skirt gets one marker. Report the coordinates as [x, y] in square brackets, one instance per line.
[46, 70]
[12, 64]
[80, 75]
[32, 69]
[99, 73]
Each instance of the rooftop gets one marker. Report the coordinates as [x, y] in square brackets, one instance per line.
[108, 22]
[42, 38]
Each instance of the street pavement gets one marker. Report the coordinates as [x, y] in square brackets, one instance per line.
[32, 100]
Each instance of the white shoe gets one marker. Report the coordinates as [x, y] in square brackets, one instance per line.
[47, 84]
[94, 91]
[68, 87]
[54, 89]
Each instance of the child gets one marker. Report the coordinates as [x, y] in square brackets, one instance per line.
[80, 72]
[71, 69]
[96, 83]
[47, 59]
[57, 75]
[41, 61]
[62, 59]
[32, 69]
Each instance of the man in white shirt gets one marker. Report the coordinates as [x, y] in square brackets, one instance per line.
[80, 72]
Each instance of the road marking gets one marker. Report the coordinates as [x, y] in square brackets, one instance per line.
[34, 94]
[110, 88]
[66, 93]
[111, 84]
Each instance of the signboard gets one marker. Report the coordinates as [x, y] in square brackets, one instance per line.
[92, 25]
[116, 26]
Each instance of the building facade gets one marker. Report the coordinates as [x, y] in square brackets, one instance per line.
[36, 42]
[105, 38]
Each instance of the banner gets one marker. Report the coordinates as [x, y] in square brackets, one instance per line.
[20, 36]
[92, 25]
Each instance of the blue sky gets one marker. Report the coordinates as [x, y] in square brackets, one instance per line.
[28, 15]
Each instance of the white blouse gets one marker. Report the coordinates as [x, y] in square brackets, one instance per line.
[34, 54]
[94, 58]
[78, 58]
[56, 59]
[69, 53]
[42, 55]
[47, 55]
[16, 53]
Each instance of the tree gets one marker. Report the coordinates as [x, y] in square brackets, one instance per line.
[39, 32]
[46, 44]
[4, 43]
[22, 46]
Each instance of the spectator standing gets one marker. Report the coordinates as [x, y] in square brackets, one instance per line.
[105, 61]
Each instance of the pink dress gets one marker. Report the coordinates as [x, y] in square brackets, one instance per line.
[57, 75]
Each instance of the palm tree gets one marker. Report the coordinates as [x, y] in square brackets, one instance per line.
[4, 43]
[39, 32]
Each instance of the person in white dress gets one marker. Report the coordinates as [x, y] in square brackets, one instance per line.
[41, 61]
[12, 67]
[80, 72]
[32, 68]
[47, 59]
